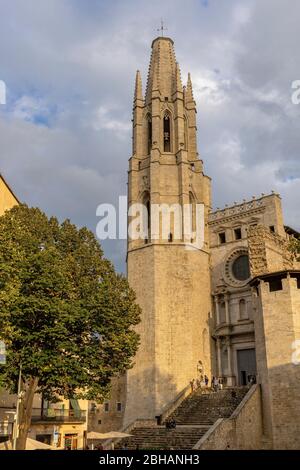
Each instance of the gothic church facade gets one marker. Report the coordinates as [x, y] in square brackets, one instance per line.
[231, 305]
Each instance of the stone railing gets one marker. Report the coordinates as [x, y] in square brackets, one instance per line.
[237, 209]
[243, 430]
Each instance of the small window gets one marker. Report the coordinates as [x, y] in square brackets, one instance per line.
[275, 284]
[140, 165]
[237, 233]
[272, 228]
[106, 407]
[222, 238]
[167, 133]
[193, 166]
[243, 309]
[119, 406]
[99, 421]
[222, 312]
[166, 98]
[93, 407]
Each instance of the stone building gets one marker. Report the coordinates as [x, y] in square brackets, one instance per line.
[165, 169]
[233, 330]
[228, 308]
[226, 305]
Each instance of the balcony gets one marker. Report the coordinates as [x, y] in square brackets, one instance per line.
[58, 415]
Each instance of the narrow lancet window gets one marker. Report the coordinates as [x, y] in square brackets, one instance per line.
[167, 133]
[185, 134]
[149, 135]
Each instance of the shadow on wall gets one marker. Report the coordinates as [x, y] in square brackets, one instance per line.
[281, 404]
[148, 394]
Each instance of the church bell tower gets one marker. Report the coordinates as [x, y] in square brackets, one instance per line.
[169, 275]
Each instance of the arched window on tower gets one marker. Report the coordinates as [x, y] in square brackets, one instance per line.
[149, 134]
[146, 203]
[185, 133]
[167, 132]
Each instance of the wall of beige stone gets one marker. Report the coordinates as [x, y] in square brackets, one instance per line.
[265, 211]
[268, 252]
[242, 431]
[101, 419]
[277, 328]
[173, 289]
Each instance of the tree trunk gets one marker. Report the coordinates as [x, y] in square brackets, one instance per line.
[25, 411]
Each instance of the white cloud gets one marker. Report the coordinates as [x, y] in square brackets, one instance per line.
[79, 59]
[103, 120]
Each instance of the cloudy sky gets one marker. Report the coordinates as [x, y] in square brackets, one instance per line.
[69, 67]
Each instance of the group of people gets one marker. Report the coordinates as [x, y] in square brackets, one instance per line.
[200, 382]
[203, 382]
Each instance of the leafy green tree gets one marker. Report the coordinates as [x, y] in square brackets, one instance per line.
[294, 247]
[65, 315]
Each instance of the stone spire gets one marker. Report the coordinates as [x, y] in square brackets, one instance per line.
[189, 97]
[138, 92]
[138, 107]
[162, 69]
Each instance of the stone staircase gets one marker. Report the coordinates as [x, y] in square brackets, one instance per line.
[194, 416]
[202, 408]
[158, 437]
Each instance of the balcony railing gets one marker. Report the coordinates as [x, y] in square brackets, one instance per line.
[58, 415]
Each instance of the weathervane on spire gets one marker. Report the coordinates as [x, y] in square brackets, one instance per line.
[162, 28]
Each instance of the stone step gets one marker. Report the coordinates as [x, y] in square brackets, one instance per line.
[194, 416]
[162, 438]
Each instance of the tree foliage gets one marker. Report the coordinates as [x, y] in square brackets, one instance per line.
[65, 314]
[294, 247]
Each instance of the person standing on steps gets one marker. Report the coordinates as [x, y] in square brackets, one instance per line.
[206, 380]
[220, 384]
[212, 384]
[215, 384]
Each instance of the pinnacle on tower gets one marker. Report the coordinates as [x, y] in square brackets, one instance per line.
[189, 90]
[138, 92]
